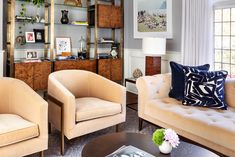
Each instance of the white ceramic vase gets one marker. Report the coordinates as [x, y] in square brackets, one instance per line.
[165, 147]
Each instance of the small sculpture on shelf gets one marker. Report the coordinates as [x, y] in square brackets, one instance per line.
[76, 3]
[64, 18]
[114, 51]
[137, 73]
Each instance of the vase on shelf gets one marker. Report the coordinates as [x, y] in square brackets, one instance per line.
[165, 147]
[64, 18]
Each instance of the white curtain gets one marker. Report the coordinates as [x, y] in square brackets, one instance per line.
[197, 32]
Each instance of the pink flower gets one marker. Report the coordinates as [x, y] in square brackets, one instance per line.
[171, 137]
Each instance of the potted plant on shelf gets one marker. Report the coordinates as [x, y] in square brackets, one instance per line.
[37, 3]
[29, 19]
[165, 139]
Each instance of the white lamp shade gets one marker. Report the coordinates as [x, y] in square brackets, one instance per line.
[154, 46]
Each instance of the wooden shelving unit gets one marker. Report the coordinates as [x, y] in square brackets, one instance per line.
[33, 73]
[106, 16]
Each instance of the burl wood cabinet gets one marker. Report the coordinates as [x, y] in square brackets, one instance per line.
[110, 68]
[34, 74]
[89, 65]
[109, 16]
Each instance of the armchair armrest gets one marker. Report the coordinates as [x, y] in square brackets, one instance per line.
[103, 88]
[26, 103]
[152, 87]
[57, 91]
[230, 92]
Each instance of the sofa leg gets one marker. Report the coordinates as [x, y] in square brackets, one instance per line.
[117, 128]
[140, 124]
[62, 143]
[41, 154]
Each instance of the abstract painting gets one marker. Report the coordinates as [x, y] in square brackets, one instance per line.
[153, 18]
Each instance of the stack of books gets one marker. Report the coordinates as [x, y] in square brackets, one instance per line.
[129, 151]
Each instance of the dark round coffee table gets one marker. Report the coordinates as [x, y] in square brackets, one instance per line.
[107, 144]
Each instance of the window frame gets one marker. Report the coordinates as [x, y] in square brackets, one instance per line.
[221, 6]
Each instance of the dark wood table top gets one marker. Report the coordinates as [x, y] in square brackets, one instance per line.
[107, 144]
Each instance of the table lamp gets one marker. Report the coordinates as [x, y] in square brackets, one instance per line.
[153, 49]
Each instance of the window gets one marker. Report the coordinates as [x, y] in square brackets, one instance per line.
[224, 37]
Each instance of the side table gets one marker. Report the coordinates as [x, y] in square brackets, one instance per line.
[132, 99]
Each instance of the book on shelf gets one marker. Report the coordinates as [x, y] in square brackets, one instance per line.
[106, 40]
[129, 151]
[85, 23]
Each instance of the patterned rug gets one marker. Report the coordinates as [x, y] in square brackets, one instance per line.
[73, 148]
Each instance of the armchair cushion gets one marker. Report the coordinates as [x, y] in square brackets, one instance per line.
[15, 129]
[90, 108]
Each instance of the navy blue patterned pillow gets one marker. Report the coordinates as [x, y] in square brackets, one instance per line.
[177, 79]
[204, 89]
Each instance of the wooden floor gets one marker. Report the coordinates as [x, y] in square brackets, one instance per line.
[132, 101]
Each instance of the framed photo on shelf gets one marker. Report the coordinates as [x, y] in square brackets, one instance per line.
[30, 55]
[39, 35]
[63, 45]
[152, 19]
[29, 36]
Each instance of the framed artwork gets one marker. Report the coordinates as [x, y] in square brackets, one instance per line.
[39, 35]
[31, 55]
[63, 44]
[152, 18]
[29, 36]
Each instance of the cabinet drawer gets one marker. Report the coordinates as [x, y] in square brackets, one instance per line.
[24, 72]
[104, 16]
[104, 68]
[33, 74]
[89, 65]
[41, 72]
[116, 18]
[116, 66]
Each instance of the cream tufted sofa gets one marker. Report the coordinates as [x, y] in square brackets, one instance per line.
[214, 129]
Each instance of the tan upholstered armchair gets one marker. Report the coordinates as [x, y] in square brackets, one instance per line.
[88, 102]
[23, 120]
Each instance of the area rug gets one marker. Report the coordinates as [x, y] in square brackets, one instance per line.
[73, 148]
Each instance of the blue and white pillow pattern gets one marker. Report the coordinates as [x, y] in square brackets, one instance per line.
[204, 89]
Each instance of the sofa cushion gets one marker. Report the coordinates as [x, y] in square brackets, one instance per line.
[15, 129]
[204, 88]
[217, 126]
[90, 108]
[178, 78]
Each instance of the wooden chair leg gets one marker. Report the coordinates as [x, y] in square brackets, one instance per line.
[41, 154]
[62, 143]
[117, 128]
[140, 124]
[49, 128]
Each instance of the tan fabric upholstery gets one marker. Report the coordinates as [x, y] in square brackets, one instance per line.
[15, 129]
[230, 92]
[69, 86]
[19, 99]
[91, 108]
[212, 128]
